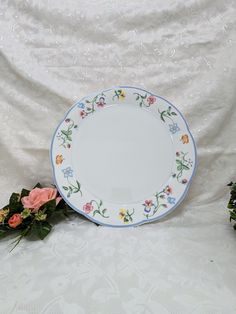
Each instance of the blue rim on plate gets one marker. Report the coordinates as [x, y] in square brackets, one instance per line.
[154, 207]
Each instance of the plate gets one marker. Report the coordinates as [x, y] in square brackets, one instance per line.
[123, 157]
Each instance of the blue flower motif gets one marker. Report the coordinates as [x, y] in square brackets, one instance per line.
[174, 128]
[81, 105]
[171, 200]
[68, 172]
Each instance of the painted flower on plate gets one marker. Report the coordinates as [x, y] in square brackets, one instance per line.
[184, 181]
[171, 200]
[87, 208]
[168, 190]
[151, 99]
[174, 128]
[122, 213]
[148, 203]
[185, 139]
[83, 114]
[68, 172]
[101, 102]
[59, 159]
[121, 94]
[81, 105]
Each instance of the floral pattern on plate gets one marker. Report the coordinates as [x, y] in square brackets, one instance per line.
[151, 208]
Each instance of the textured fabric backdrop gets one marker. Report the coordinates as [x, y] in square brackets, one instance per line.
[53, 53]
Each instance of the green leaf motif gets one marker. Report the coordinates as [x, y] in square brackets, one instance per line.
[96, 212]
[65, 187]
[185, 167]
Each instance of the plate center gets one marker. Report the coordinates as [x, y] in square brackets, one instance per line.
[122, 154]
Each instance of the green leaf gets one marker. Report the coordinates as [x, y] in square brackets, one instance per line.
[179, 162]
[70, 188]
[24, 193]
[41, 229]
[137, 98]
[3, 233]
[185, 167]
[100, 203]
[49, 207]
[179, 167]
[14, 203]
[69, 138]
[78, 184]
[87, 101]
[89, 109]
[38, 185]
[233, 215]
[69, 132]
[65, 187]
[173, 113]
[104, 210]
[14, 199]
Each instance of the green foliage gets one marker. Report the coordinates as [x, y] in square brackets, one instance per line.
[37, 222]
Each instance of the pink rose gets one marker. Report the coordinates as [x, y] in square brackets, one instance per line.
[87, 208]
[15, 220]
[151, 100]
[37, 197]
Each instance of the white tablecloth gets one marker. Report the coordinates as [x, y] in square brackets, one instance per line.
[53, 53]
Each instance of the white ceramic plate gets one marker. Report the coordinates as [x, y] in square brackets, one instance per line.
[123, 157]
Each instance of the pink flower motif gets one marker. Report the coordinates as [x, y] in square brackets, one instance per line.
[168, 190]
[87, 208]
[148, 203]
[101, 102]
[38, 197]
[184, 181]
[177, 154]
[151, 100]
[83, 114]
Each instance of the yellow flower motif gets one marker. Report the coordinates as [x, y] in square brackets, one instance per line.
[122, 213]
[3, 214]
[185, 139]
[59, 159]
[122, 94]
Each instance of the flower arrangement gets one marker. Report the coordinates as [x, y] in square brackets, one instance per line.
[31, 213]
[232, 202]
